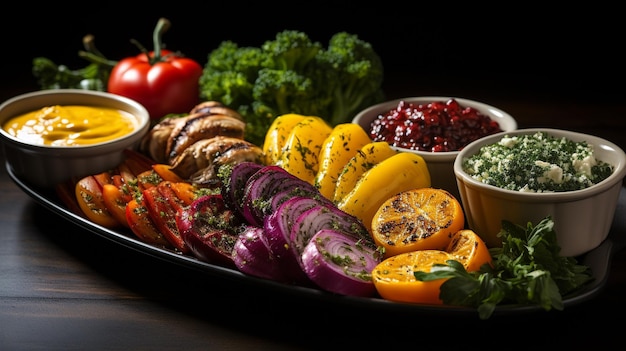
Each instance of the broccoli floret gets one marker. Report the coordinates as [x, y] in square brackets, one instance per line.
[229, 74]
[278, 92]
[290, 50]
[223, 57]
[357, 75]
[231, 88]
[282, 90]
[293, 74]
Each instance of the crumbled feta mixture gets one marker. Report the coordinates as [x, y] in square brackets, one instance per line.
[537, 163]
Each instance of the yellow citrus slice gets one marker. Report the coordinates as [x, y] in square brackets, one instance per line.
[394, 277]
[470, 249]
[417, 219]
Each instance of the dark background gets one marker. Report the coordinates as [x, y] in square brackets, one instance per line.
[495, 54]
[536, 64]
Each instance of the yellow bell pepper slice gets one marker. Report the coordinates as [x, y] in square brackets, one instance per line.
[401, 172]
[367, 157]
[343, 142]
[277, 135]
[300, 154]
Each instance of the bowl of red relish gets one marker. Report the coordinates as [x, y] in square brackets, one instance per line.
[434, 127]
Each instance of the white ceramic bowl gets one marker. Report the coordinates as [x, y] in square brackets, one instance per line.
[46, 166]
[582, 218]
[440, 164]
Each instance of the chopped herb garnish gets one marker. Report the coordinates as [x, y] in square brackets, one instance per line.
[537, 163]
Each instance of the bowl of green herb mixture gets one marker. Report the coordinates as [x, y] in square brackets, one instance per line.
[526, 175]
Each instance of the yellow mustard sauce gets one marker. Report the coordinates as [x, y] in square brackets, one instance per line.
[71, 125]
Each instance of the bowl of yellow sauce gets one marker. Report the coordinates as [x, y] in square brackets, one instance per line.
[51, 136]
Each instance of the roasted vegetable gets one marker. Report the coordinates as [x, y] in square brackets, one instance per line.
[233, 179]
[300, 153]
[197, 144]
[163, 205]
[422, 218]
[400, 172]
[261, 188]
[199, 163]
[142, 225]
[293, 74]
[115, 201]
[340, 263]
[367, 157]
[89, 196]
[252, 255]
[209, 229]
[278, 227]
[344, 141]
[277, 135]
[324, 216]
[290, 212]
[200, 126]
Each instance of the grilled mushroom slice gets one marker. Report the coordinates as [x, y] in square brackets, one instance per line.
[201, 126]
[199, 162]
[154, 143]
[173, 134]
[215, 108]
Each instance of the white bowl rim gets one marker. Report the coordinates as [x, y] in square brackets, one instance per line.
[444, 156]
[143, 121]
[617, 176]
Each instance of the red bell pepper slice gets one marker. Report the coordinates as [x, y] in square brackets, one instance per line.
[88, 192]
[162, 210]
[141, 224]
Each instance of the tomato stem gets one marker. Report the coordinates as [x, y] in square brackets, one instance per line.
[92, 54]
[162, 26]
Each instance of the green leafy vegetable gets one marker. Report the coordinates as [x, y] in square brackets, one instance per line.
[293, 74]
[94, 76]
[527, 269]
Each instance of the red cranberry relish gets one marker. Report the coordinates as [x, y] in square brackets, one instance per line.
[437, 126]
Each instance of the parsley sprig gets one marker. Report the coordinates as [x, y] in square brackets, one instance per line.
[527, 269]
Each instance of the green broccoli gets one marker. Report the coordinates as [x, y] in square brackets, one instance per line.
[293, 74]
[357, 75]
[291, 50]
[230, 73]
[275, 91]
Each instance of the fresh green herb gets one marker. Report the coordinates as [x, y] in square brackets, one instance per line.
[527, 269]
[94, 76]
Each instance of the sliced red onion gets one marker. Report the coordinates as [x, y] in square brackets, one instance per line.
[324, 217]
[277, 230]
[233, 188]
[340, 263]
[252, 256]
[263, 186]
